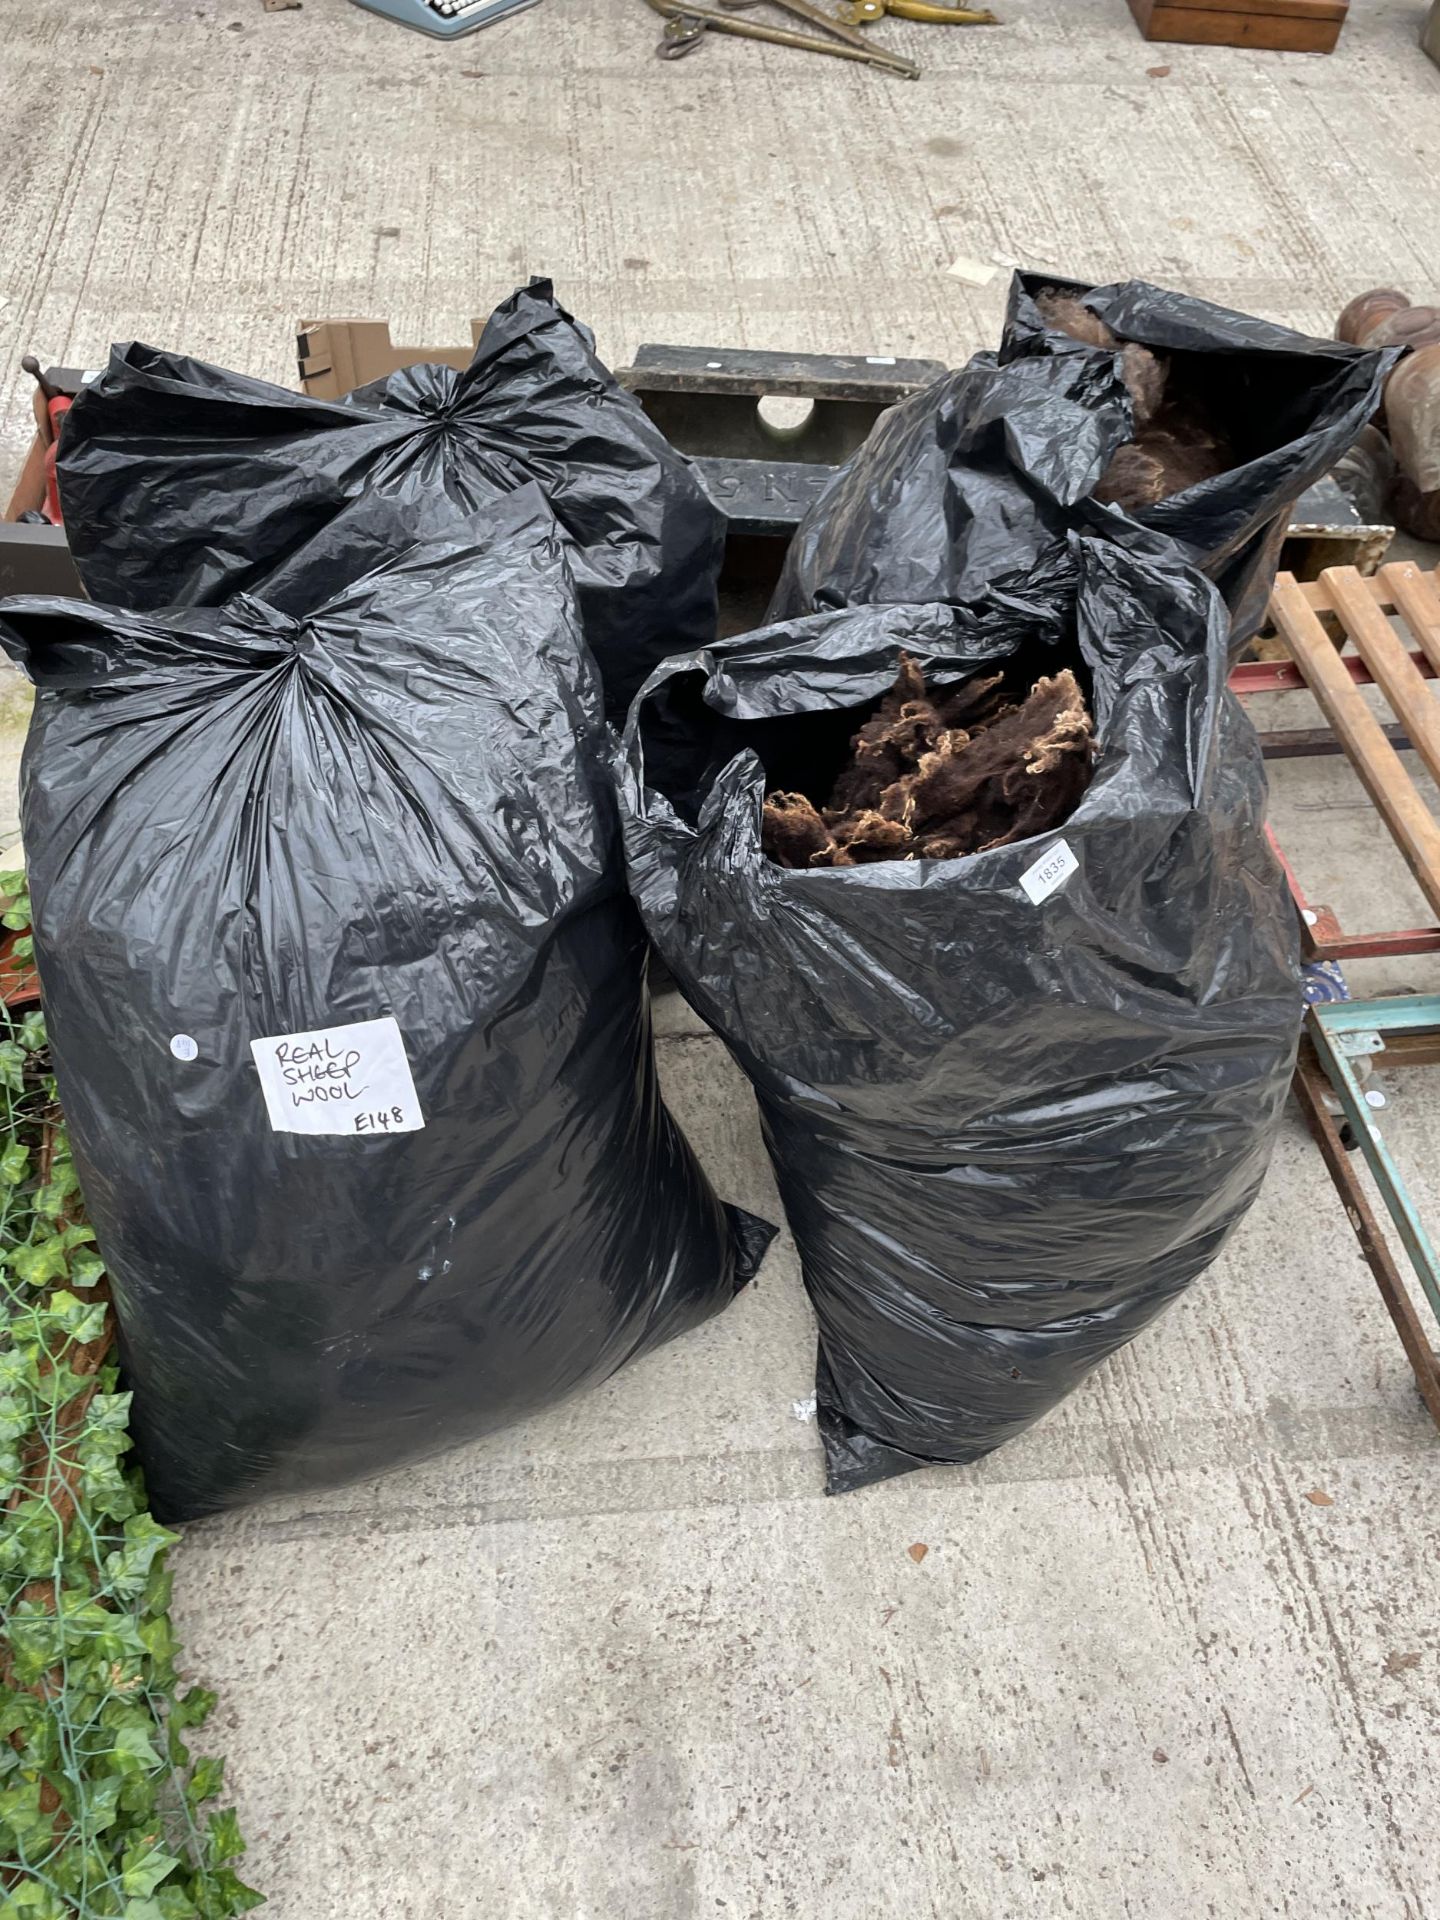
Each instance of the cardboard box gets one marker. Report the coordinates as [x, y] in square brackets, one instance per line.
[335, 356]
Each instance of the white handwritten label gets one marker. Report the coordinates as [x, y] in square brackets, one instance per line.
[184, 1046]
[1050, 871]
[354, 1080]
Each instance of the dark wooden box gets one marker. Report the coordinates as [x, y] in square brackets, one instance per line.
[1287, 26]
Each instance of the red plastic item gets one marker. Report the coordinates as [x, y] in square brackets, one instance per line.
[58, 405]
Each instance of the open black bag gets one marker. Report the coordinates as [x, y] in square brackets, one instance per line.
[1015, 1102]
[347, 1007]
[184, 484]
[970, 487]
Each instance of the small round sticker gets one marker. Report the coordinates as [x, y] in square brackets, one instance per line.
[184, 1047]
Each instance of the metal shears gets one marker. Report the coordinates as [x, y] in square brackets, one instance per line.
[860, 13]
[687, 25]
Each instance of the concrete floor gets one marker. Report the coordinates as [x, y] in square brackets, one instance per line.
[626, 1663]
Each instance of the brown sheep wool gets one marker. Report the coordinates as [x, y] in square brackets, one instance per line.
[935, 777]
[1175, 447]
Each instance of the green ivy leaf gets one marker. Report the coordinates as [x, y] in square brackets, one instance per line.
[102, 1802]
[222, 1838]
[143, 1867]
[10, 1465]
[14, 1163]
[41, 1541]
[132, 1750]
[17, 1712]
[24, 947]
[233, 1891]
[128, 1570]
[86, 1270]
[33, 1831]
[63, 1183]
[156, 1597]
[139, 1798]
[162, 1646]
[18, 1368]
[112, 1495]
[122, 1645]
[175, 1903]
[56, 1381]
[83, 1613]
[17, 1416]
[12, 1066]
[206, 1781]
[82, 1320]
[109, 1413]
[220, 1894]
[36, 1640]
[99, 1449]
[146, 1532]
[41, 1263]
[32, 1900]
[193, 1708]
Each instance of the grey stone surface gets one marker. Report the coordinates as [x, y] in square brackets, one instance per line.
[626, 1662]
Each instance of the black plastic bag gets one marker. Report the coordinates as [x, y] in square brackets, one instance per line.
[971, 486]
[360, 872]
[1015, 1102]
[184, 484]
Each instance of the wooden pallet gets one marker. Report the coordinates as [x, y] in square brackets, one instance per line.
[1359, 609]
[1284, 26]
[1314, 620]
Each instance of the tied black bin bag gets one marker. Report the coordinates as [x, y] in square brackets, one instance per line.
[184, 484]
[970, 487]
[1015, 1101]
[347, 1008]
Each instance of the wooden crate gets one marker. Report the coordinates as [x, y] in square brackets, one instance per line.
[1286, 26]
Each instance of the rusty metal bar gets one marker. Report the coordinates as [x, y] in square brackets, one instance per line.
[1283, 676]
[1314, 743]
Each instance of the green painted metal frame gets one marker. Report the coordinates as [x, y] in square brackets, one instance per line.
[1341, 1032]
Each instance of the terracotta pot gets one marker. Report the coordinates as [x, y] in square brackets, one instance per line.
[1418, 513]
[1369, 310]
[1412, 327]
[19, 982]
[1412, 407]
